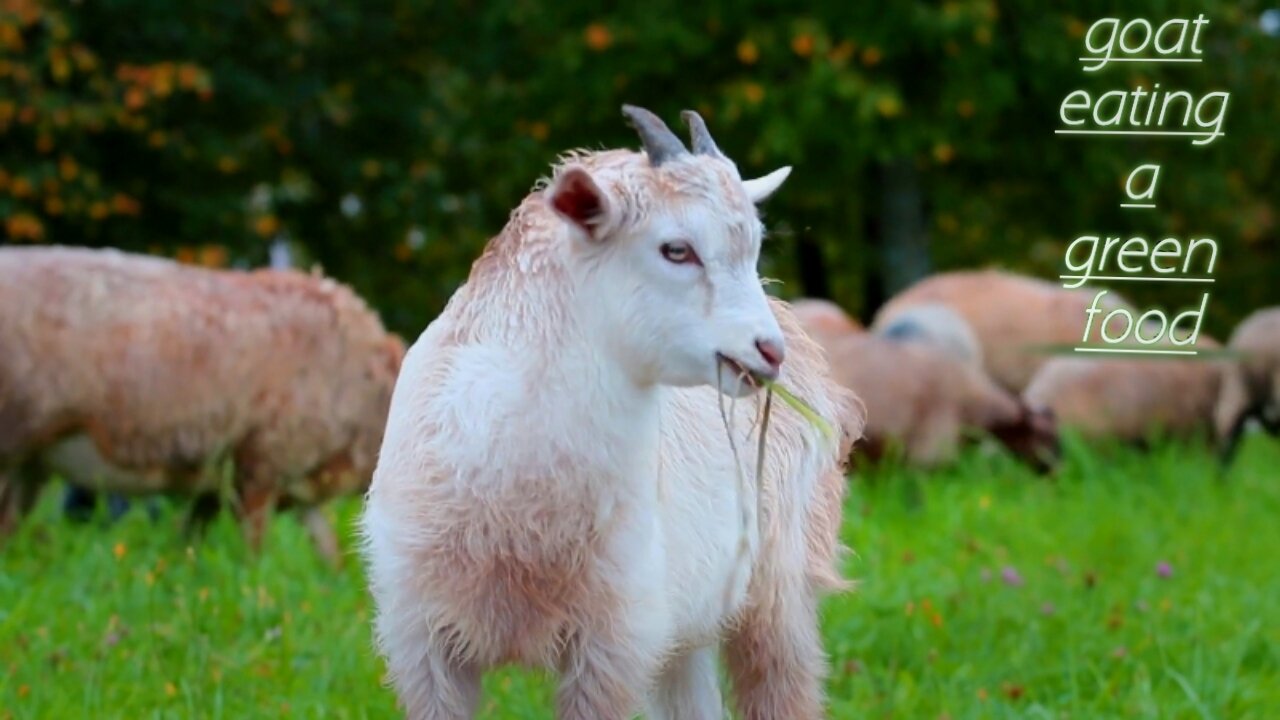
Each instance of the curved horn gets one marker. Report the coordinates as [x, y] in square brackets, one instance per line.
[703, 144]
[659, 142]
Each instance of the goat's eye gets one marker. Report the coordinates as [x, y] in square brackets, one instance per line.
[679, 253]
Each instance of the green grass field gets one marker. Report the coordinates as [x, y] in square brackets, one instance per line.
[1133, 586]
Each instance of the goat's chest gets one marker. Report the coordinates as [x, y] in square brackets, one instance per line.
[516, 575]
[707, 566]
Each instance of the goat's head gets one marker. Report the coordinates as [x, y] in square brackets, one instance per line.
[667, 243]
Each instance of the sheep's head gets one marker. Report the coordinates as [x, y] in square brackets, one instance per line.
[1033, 436]
[665, 245]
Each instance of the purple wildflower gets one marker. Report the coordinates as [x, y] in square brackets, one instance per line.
[1010, 576]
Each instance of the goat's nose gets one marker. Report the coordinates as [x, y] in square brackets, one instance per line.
[772, 352]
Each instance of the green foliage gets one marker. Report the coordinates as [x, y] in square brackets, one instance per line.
[206, 129]
[1132, 585]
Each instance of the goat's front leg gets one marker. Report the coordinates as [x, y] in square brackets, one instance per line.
[688, 688]
[432, 685]
[614, 656]
[606, 673]
[776, 658]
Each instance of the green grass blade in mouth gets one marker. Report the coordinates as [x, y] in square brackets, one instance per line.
[803, 408]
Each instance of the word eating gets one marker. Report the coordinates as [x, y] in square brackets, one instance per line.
[1109, 111]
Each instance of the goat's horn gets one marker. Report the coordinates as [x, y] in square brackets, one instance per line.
[659, 142]
[703, 144]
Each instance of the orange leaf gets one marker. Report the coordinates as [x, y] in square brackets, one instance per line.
[598, 37]
[802, 45]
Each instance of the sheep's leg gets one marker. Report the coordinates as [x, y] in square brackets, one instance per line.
[19, 488]
[775, 657]
[323, 536]
[203, 509]
[1270, 418]
[936, 441]
[256, 506]
[79, 503]
[688, 689]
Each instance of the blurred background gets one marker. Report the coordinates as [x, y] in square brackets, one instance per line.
[387, 140]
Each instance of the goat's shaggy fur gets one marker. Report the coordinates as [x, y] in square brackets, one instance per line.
[531, 506]
[136, 374]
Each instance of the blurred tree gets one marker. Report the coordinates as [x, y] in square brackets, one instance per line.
[388, 139]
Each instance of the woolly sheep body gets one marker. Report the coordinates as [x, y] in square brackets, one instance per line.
[924, 398]
[1010, 315]
[1128, 399]
[137, 374]
[937, 325]
[531, 507]
[1256, 344]
[823, 319]
[1257, 340]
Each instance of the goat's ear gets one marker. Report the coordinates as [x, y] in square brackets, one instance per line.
[761, 188]
[576, 197]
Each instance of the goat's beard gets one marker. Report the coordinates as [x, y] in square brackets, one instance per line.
[761, 420]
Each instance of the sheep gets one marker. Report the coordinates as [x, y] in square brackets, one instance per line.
[1130, 399]
[556, 487]
[135, 374]
[925, 399]
[935, 324]
[823, 319]
[1012, 315]
[1256, 343]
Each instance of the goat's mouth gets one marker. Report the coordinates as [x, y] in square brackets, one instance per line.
[754, 378]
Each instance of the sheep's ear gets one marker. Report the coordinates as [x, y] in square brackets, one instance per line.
[761, 188]
[576, 197]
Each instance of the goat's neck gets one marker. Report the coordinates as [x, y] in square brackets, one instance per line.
[582, 384]
[577, 404]
[583, 406]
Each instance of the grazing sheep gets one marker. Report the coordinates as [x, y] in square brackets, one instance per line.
[937, 325]
[1256, 340]
[926, 400]
[1011, 315]
[135, 374]
[1130, 398]
[823, 319]
[556, 487]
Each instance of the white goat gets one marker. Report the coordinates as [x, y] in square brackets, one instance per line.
[556, 487]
